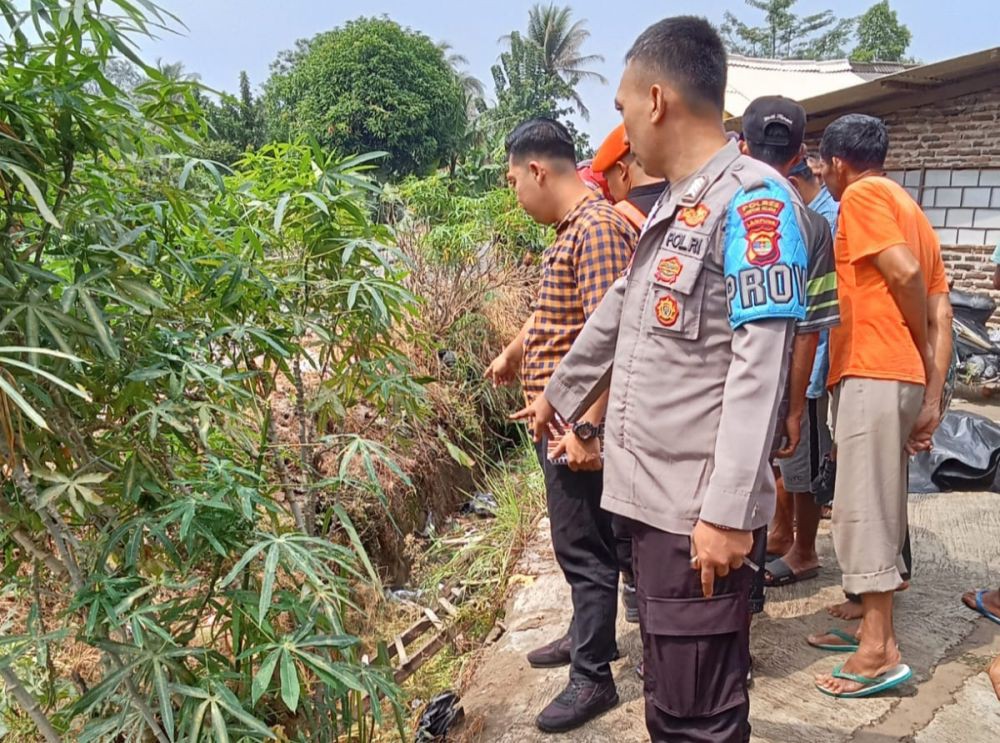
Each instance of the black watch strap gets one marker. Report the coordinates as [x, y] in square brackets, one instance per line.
[585, 431]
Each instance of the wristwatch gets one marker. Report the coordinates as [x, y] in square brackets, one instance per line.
[585, 431]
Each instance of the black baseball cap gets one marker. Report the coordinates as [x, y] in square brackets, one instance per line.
[774, 120]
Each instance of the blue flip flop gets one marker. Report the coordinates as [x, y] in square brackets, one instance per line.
[888, 680]
[849, 646]
[981, 608]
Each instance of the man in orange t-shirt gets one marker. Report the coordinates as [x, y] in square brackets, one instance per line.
[888, 361]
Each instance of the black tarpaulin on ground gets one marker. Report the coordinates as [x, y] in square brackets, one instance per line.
[965, 457]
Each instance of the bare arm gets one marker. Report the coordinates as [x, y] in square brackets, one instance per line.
[503, 368]
[939, 316]
[902, 273]
[803, 357]
[996, 276]
[939, 332]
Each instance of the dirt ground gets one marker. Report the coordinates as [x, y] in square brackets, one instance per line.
[956, 542]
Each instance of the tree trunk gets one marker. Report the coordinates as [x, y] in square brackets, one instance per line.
[30, 705]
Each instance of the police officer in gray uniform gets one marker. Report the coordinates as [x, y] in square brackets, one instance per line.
[693, 342]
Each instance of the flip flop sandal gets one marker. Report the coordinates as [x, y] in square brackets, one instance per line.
[779, 574]
[981, 607]
[888, 680]
[849, 646]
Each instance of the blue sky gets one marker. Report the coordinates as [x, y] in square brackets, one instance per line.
[226, 36]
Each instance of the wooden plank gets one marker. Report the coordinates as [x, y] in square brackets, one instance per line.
[411, 633]
[425, 653]
[429, 613]
[401, 651]
[449, 607]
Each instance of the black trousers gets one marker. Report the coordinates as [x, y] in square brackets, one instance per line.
[623, 547]
[696, 651]
[584, 543]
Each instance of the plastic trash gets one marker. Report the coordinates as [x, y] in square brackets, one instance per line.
[447, 358]
[440, 715]
[965, 456]
[481, 504]
[404, 595]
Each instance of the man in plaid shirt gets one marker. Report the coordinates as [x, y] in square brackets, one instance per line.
[592, 248]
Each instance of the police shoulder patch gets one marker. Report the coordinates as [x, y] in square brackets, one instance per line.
[765, 259]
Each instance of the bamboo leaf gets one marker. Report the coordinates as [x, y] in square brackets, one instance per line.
[36, 194]
[163, 693]
[46, 375]
[197, 722]
[99, 325]
[244, 561]
[279, 212]
[267, 582]
[262, 679]
[289, 681]
[22, 404]
[219, 724]
[232, 705]
[359, 547]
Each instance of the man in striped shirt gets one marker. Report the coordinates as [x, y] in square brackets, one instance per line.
[592, 248]
[773, 130]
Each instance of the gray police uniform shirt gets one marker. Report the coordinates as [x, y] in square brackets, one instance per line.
[693, 342]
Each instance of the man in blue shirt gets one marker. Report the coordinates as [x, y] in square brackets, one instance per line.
[792, 540]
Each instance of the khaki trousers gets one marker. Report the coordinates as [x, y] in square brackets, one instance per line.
[872, 420]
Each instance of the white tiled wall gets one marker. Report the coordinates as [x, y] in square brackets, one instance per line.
[963, 205]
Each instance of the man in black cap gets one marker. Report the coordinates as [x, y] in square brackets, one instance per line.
[773, 130]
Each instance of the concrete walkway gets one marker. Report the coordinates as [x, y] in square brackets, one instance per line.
[956, 542]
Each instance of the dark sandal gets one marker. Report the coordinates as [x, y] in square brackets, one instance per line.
[778, 573]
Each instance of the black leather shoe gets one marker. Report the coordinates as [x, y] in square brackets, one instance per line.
[631, 603]
[579, 703]
[553, 655]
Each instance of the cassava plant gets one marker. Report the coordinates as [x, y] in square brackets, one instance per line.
[150, 302]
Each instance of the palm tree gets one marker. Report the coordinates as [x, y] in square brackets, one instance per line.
[471, 85]
[552, 29]
[175, 72]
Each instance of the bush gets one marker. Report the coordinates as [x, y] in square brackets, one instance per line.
[152, 303]
[368, 86]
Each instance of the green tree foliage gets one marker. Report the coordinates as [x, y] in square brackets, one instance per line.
[538, 72]
[881, 37]
[526, 89]
[560, 39]
[151, 302]
[460, 224]
[369, 86]
[236, 125]
[785, 35]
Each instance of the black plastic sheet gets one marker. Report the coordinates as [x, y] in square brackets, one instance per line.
[965, 456]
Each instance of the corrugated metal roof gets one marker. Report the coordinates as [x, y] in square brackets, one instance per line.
[907, 87]
[750, 78]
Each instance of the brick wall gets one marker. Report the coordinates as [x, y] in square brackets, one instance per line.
[947, 155]
[956, 133]
[971, 269]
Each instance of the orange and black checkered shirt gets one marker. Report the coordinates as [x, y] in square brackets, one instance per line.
[592, 248]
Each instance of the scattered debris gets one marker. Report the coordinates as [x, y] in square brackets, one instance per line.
[404, 595]
[430, 528]
[498, 631]
[481, 504]
[440, 715]
[447, 358]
